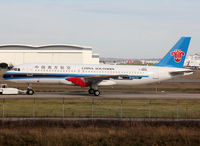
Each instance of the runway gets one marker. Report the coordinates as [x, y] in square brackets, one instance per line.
[108, 95]
[182, 80]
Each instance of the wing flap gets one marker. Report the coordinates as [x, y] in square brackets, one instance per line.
[106, 77]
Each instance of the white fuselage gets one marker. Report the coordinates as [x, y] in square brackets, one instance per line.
[58, 73]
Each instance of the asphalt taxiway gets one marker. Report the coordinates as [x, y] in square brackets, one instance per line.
[82, 119]
[108, 95]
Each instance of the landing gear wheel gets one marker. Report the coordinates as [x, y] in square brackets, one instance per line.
[96, 92]
[91, 91]
[30, 91]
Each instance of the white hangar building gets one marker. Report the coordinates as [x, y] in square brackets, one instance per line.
[72, 54]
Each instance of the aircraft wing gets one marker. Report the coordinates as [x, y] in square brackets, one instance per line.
[87, 81]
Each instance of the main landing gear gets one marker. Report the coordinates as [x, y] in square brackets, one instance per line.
[94, 89]
[95, 92]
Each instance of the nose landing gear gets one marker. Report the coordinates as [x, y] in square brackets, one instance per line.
[29, 90]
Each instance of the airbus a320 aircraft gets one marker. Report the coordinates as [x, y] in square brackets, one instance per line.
[93, 76]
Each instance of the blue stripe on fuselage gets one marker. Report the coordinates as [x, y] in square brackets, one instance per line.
[18, 75]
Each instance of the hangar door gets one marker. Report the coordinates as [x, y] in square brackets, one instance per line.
[73, 58]
[37, 57]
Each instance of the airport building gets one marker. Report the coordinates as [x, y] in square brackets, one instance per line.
[193, 60]
[72, 54]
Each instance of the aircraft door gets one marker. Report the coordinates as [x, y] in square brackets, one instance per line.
[156, 74]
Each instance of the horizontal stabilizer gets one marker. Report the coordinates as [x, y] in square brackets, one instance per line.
[180, 73]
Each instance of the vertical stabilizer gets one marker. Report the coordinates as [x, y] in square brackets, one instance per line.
[176, 56]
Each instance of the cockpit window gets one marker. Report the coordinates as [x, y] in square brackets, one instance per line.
[15, 69]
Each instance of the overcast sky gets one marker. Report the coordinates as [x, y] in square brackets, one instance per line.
[114, 28]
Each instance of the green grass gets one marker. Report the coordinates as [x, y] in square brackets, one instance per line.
[101, 108]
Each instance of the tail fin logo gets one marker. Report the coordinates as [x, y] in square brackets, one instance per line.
[177, 55]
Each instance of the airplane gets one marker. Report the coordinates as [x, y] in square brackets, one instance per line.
[92, 76]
